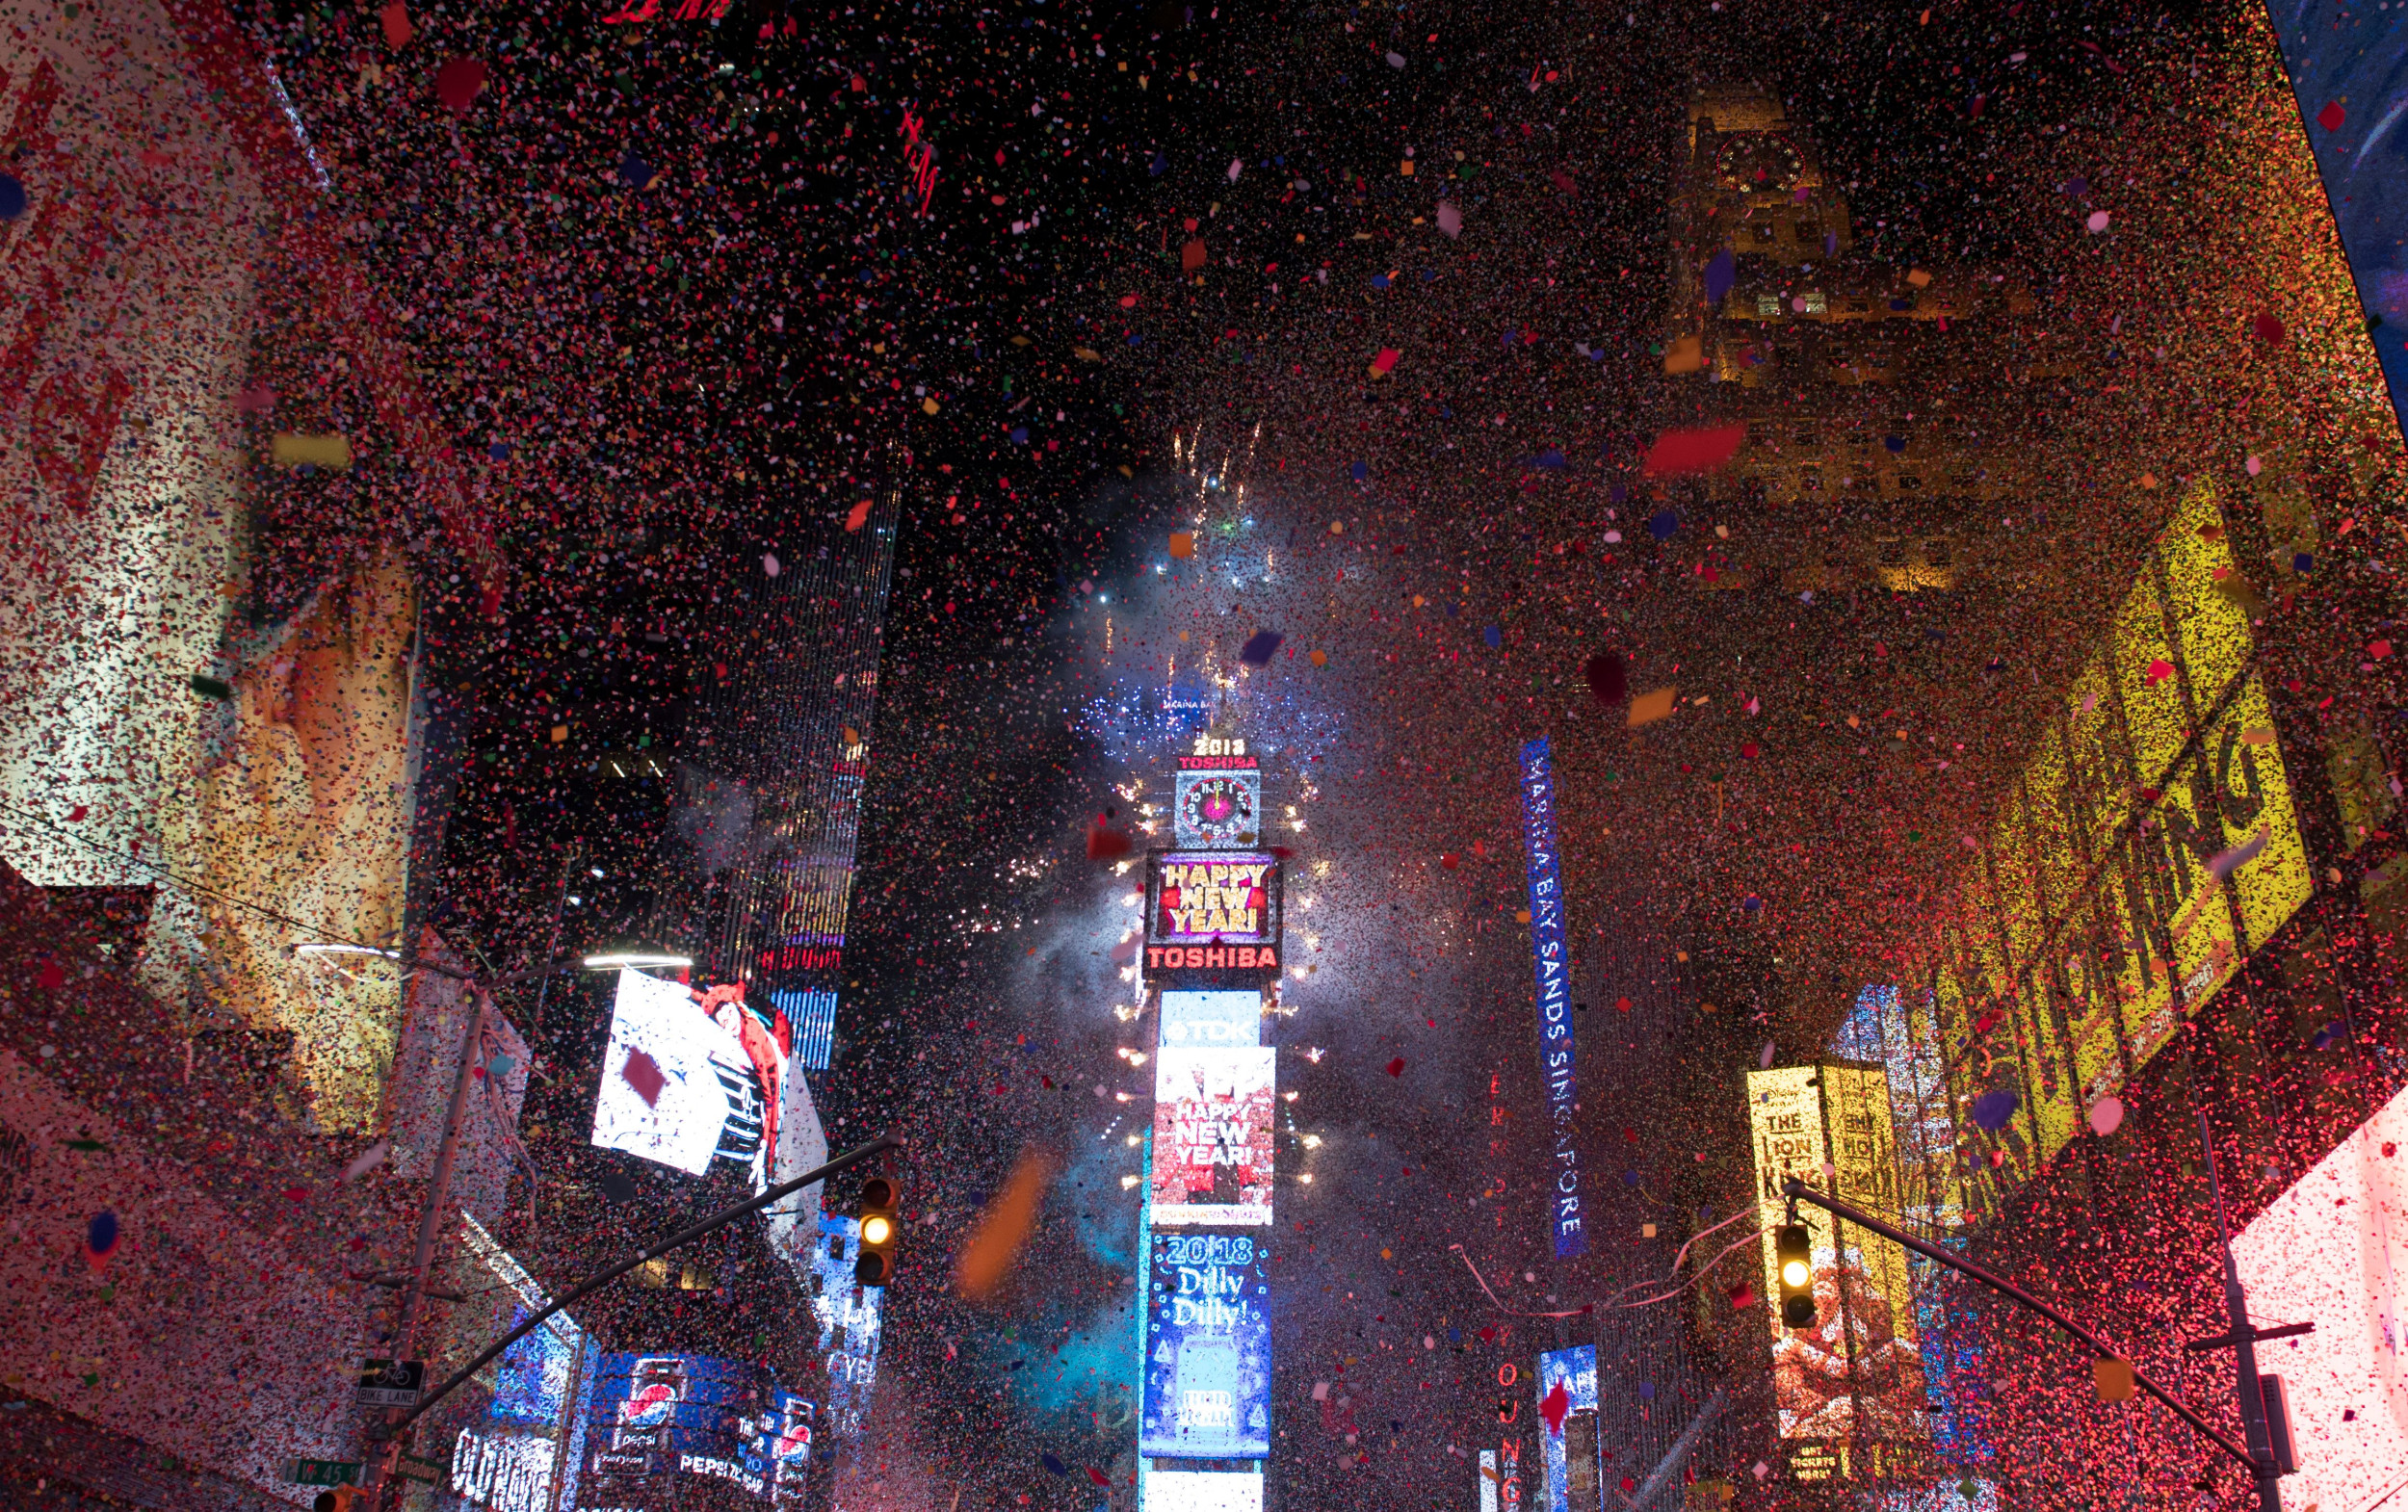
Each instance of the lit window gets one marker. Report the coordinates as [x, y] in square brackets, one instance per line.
[1767, 306]
[1817, 302]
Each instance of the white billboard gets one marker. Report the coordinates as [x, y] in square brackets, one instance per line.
[1212, 1135]
[1212, 1018]
[664, 1095]
[2334, 1250]
[1203, 1490]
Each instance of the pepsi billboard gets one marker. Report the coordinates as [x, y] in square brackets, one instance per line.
[663, 1423]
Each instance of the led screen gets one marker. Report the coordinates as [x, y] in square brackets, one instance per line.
[1208, 1342]
[1203, 1490]
[660, 1421]
[1224, 898]
[1212, 1019]
[790, 1447]
[1569, 1448]
[1857, 1372]
[662, 1095]
[849, 1320]
[1212, 1135]
[2334, 1250]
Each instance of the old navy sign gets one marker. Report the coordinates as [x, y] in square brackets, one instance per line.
[1554, 964]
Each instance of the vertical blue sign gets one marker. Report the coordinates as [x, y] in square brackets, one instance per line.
[1552, 958]
[2346, 70]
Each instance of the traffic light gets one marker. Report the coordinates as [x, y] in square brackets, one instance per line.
[342, 1498]
[879, 1224]
[1792, 1250]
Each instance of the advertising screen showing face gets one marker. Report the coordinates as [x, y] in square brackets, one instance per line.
[689, 1077]
[1213, 1148]
[2334, 1250]
[1208, 1342]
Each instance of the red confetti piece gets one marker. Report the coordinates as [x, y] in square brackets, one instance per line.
[459, 83]
[1396, 1067]
[2332, 116]
[642, 1073]
[1684, 452]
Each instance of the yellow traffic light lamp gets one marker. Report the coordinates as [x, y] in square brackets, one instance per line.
[880, 1225]
[1793, 1252]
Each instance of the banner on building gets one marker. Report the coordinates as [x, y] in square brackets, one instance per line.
[1551, 955]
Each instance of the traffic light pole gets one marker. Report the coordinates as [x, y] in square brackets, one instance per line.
[388, 1434]
[2263, 1472]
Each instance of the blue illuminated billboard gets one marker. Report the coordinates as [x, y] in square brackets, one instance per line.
[661, 1420]
[1552, 958]
[1208, 1347]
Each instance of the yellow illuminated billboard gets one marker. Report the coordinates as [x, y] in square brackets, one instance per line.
[2149, 846]
[1856, 1372]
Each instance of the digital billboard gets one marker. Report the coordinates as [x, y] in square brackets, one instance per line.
[1216, 803]
[849, 1317]
[1552, 962]
[663, 1094]
[2130, 871]
[1500, 1477]
[509, 1458]
[791, 1438]
[1208, 1342]
[692, 1077]
[1568, 1449]
[1212, 1019]
[660, 1421]
[1224, 897]
[1204, 1491]
[1213, 1152]
[2334, 1250]
[1857, 1372]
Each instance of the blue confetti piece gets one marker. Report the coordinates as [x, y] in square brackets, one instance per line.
[2302, 561]
[1020, 435]
[1260, 647]
[1359, 471]
[11, 197]
[1552, 456]
[1053, 1464]
[1992, 1110]
[1721, 274]
[1895, 444]
[1494, 636]
[1750, 904]
[101, 1235]
[1662, 524]
[499, 451]
[1379, 280]
[633, 171]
